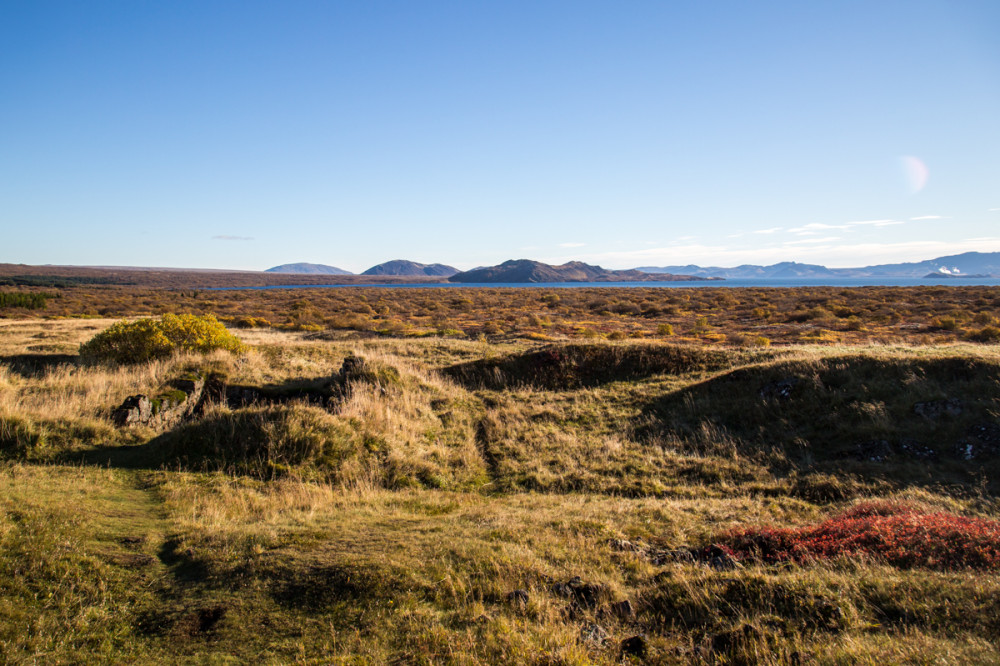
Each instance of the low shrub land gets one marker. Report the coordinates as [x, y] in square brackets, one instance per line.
[460, 478]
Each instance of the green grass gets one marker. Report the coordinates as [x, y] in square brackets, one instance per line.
[387, 518]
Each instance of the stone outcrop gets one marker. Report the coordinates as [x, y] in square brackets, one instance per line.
[174, 401]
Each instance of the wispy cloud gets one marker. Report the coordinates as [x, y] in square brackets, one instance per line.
[874, 223]
[233, 238]
[994, 209]
[772, 230]
[815, 228]
[926, 217]
[804, 241]
[572, 244]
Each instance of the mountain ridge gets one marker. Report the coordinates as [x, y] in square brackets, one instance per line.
[966, 264]
[529, 271]
[303, 268]
[404, 267]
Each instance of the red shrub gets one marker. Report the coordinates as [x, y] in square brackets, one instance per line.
[898, 534]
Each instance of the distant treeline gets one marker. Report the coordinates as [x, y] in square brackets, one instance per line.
[23, 299]
[57, 280]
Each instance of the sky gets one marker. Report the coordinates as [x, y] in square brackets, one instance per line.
[246, 134]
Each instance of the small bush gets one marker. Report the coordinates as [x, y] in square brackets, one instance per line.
[897, 533]
[985, 334]
[147, 339]
[22, 299]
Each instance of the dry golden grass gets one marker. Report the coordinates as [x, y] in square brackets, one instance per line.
[113, 551]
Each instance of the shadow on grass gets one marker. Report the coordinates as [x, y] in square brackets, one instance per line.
[32, 366]
[926, 422]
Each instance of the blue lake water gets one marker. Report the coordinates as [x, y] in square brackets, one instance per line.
[743, 282]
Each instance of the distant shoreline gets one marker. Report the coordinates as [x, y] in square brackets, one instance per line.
[785, 283]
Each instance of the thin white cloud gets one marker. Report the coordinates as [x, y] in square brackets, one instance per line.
[994, 209]
[874, 223]
[815, 228]
[768, 231]
[926, 217]
[232, 238]
[810, 241]
[572, 244]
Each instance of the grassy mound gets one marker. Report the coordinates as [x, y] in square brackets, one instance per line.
[573, 366]
[899, 534]
[395, 426]
[858, 414]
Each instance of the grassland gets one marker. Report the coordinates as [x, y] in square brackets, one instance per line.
[486, 497]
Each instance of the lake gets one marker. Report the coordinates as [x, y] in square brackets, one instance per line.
[734, 283]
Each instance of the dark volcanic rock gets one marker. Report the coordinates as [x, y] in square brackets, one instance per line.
[779, 390]
[518, 598]
[934, 410]
[875, 450]
[174, 401]
[594, 634]
[635, 646]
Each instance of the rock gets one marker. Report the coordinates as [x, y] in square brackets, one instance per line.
[933, 410]
[719, 558]
[623, 610]
[584, 594]
[518, 599]
[622, 545]
[635, 646]
[174, 401]
[135, 410]
[874, 450]
[741, 637]
[661, 557]
[982, 441]
[594, 634]
[914, 449]
[779, 390]
[352, 366]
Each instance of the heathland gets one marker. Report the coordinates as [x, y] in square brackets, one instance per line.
[467, 476]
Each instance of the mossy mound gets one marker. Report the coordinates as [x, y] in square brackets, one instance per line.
[383, 424]
[854, 414]
[560, 367]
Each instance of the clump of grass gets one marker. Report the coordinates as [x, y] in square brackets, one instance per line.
[898, 533]
[148, 339]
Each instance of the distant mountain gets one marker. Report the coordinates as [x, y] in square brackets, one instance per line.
[308, 269]
[968, 264]
[411, 268]
[525, 270]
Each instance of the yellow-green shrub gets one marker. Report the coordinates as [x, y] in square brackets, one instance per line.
[146, 339]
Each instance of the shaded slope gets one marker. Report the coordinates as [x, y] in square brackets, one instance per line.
[905, 420]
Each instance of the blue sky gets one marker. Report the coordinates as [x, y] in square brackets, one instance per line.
[248, 134]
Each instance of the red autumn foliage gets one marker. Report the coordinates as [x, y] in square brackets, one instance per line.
[898, 534]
